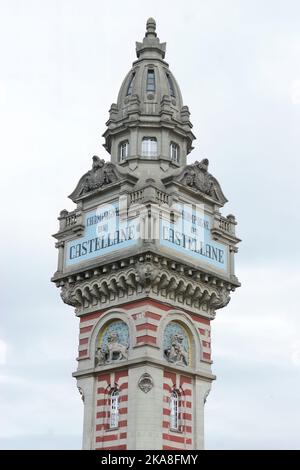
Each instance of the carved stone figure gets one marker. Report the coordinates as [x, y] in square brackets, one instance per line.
[112, 351]
[102, 173]
[221, 300]
[145, 383]
[197, 176]
[68, 296]
[116, 350]
[147, 274]
[176, 353]
[100, 357]
[203, 179]
[95, 177]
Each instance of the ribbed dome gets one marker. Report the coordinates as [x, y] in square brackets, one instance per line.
[149, 110]
[151, 81]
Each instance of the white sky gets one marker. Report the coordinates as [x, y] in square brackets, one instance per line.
[237, 63]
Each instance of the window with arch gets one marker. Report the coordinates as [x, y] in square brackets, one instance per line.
[171, 86]
[150, 80]
[174, 152]
[174, 410]
[123, 150]
[114, 405]
[149, 147]
[130, 84]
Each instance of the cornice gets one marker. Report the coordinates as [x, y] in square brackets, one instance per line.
[145, 276]
[145, 360]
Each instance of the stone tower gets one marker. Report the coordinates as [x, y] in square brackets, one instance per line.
[146, 259]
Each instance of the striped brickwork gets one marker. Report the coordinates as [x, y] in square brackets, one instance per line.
[147, 316]
[105, 436]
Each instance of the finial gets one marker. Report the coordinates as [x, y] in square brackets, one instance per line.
[151, 27]
[151, 45]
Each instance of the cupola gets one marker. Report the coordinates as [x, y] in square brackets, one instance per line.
[149, 121]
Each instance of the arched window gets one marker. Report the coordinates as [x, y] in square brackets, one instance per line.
[171, 86]
[130, 84]
[150, 80]
[174, 152]
[114, 408]
[123, 150]
[174, 410]
[149, 147]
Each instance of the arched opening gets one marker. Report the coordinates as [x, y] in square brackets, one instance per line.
[174, 410]
[114, 406]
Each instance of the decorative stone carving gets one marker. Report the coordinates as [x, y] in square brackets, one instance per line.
[68, 296]
[113, 351]
[145, 382]
[197, 177]
[176, 353]
[147, 274]
[101, 174]
[177, 350]
[113, 344]
[100, 356]
[159, 280]
[116, 351]
[221, 300]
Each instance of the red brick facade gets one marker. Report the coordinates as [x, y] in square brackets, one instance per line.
[146, 316]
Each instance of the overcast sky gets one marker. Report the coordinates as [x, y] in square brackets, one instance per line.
[238, 66]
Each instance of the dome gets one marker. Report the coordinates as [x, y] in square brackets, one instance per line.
[150, 79]
[149, 109]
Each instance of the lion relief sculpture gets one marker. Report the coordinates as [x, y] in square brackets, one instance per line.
[112, 351]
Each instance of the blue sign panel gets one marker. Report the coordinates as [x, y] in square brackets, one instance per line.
[105, 231]
[190, 236]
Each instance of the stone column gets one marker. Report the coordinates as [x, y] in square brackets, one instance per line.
[60, 263]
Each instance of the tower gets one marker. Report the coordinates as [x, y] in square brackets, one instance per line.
[146, 259]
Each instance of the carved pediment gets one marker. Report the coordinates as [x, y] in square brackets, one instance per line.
[102, 174]
[197, 177]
